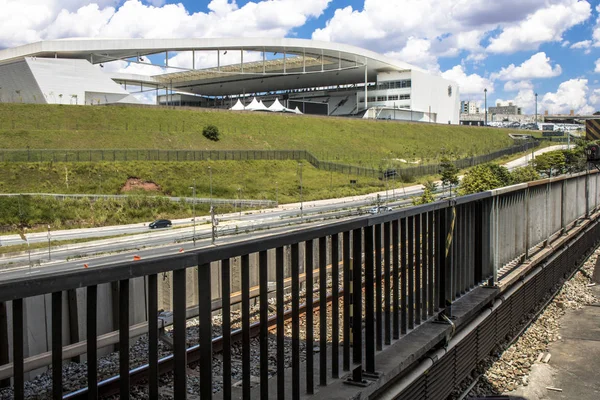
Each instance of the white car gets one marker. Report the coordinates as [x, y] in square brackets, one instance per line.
[378, 210]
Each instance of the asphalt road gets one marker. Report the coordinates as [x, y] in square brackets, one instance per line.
[143, 242]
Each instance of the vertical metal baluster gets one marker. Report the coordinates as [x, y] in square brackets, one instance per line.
[226, 326]
[404, 276]
[57, 345]
[440, 259]
[387, 283]
[335, 306]
[18, 359]
[456, 254]
[397, 281]
[263, 279]
[280, 277]
[205, 331]
[479, 261]
[92, 334]
[424, 266]
[179, 335]
[369, 300]
[246, 326]
[347, 301]
[124, 339]
[471, 246]
[295, 322]
[308, 266]
[152, 336]
[378, 290]
[411, 273]
[418, 269]
[323, 311]
[356, 305]
[431, 262]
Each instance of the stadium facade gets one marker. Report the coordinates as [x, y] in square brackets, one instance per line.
[316, 77]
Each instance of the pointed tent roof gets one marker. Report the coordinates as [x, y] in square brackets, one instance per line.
[238, 106]
[256, 106]
[297, 110]
[276, 106]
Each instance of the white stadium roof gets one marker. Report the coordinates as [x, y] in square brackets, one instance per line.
[306, 63]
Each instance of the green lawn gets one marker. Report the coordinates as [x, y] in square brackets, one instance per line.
[354, 141]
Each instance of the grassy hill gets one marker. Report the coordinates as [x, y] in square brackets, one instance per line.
[354, 141]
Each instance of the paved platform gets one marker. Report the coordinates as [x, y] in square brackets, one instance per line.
[574, 367]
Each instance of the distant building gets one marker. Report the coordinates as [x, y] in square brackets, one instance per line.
[468, 107]
[509, 109]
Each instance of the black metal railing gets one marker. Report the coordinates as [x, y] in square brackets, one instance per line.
[43, 155]
[413, 264]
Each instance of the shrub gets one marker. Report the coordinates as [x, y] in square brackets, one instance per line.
[211, 132]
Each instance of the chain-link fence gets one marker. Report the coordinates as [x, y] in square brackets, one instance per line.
[42, 155]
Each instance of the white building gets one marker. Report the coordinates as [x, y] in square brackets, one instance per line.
[469, 107]
[317, 77]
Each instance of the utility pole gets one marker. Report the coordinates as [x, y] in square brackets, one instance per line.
[301, 208]
[49, 257]
[194, 210]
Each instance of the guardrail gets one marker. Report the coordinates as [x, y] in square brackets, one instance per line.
[397, 271]
[41, 155]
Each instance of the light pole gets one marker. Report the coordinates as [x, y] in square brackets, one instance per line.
[194, 210]
[301, 212]
[485, 104]
[536, 127]
[49, 257]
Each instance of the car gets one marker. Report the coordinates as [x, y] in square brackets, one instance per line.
[160, 223]
[378, 210]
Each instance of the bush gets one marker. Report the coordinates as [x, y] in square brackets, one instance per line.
[211, 132]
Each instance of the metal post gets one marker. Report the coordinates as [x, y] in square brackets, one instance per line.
[194, 211]
[301, 204]
[536, 127]
[485, 97]
[49, 256]
[366, 90]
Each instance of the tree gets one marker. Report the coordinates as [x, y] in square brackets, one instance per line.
[211, 132]
[449, 173]
[552, 162]
[481, 178]
[427, 196]
[524, 174]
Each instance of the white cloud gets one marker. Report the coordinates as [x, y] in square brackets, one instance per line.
[469, 84]
[595, 97]
[597, 69]
[538, 66]
[584, 45]
[417, 52]
[512, 86]
[24, 21]
[545, 25]
[571, 95]
[596, 33]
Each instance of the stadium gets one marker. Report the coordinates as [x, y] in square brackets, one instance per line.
[297, 75]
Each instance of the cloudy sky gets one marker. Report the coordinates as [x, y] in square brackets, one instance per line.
[514, 48]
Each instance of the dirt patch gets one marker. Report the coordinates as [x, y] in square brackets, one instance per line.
[137, 184]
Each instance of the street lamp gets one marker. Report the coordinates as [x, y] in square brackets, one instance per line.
[301, 212]
[485, 97]
[194, 210]
[536, 111]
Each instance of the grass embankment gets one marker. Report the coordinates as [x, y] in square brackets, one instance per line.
[354, 141]
[375, 144]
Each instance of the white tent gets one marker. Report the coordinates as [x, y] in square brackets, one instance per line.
[238, 106]
[276, 106]
[256, 106]
[297, 110]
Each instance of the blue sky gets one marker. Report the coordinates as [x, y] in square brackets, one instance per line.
[514, 48]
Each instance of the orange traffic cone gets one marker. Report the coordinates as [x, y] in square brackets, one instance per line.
[136, 258]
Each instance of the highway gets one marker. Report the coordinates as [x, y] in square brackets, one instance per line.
[145, 243]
